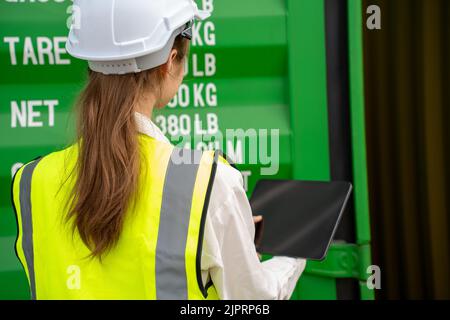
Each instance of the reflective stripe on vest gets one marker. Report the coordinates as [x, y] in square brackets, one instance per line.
[27, 225]
[177, 207]
[160, 253]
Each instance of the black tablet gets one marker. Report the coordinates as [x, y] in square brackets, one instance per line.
[300, 218]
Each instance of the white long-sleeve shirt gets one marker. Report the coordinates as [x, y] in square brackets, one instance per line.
[229, 257]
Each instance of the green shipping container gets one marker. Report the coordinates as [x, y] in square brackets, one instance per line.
[263, 66]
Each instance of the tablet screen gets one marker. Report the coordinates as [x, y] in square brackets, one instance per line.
[300, 217]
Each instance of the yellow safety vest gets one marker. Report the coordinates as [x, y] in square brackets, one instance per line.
[158, 253]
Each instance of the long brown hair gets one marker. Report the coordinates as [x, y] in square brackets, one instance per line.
[108, 162]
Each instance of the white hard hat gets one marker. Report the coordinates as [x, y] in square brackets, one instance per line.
[125, 36]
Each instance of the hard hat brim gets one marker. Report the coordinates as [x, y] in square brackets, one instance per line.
[202, 14]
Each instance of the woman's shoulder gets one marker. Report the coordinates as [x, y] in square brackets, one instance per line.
[228, 185]
[227, 177]
[55, 157]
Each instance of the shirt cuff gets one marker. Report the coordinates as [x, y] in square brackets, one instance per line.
[288, 271]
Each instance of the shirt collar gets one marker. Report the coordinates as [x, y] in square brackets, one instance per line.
[146, 126]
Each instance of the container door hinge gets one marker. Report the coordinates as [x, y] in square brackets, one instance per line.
[344, 260]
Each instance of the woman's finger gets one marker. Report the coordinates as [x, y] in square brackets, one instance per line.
[257, 219]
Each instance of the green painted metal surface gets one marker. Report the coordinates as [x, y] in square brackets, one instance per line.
[308, 89]
[355, 25]
[358, 121]
[262, 67]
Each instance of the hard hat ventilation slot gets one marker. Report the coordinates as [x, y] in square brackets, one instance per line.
[118, 67]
